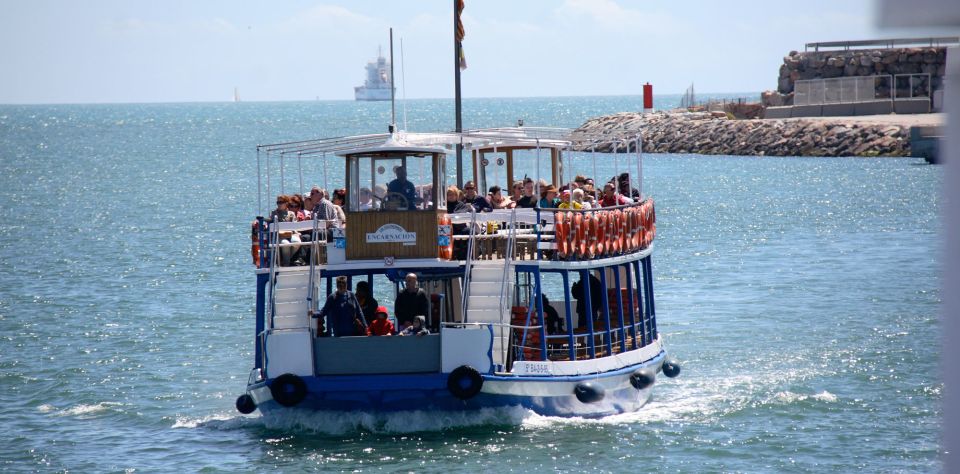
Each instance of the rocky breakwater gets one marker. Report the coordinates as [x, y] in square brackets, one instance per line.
[715, 134]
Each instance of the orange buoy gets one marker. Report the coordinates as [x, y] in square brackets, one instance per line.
[579, 233]
[601, 231]
[590, 221]
[445, 228]
[636, 229]
[629, 214]
[614, 237]
[561, 232]
[614, 232]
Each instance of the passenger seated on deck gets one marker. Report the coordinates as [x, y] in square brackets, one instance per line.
[342, 312]
[471, 197]
[611, 198]
[498, 200]
[411, 301]
[325, 210]
[402, 187]
[623, 185]
[528, 200]
[381, 326]
[548, 198]
[366, 200]
[417, 328]
[595, 294]
[340, 199]
[551, 317]
[282, 213]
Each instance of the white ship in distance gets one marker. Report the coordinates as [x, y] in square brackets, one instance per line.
[379, 80]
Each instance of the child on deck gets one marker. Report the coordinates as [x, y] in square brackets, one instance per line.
[381, 326]
[418, 328]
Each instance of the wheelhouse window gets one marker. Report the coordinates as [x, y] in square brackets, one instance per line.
[395, 182]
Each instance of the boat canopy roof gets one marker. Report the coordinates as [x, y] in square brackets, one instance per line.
[441, 142]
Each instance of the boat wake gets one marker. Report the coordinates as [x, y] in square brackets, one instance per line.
[341, 423]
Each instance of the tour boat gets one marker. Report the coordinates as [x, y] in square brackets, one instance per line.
[491, 278]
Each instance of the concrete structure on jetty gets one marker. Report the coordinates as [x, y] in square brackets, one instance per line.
[713, 133]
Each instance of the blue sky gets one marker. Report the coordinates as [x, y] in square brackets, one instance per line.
[184, 51]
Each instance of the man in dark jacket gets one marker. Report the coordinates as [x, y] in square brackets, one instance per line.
[595, 292]
[411, 302]
[471, 197]
[342, 311]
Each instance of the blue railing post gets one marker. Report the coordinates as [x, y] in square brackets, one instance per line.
[262, 279]
[543, 327]
[606, 310]
[653, 307]
[588, 304]
[566, 304]
[642, 304]
[616, 283]
[630, 303]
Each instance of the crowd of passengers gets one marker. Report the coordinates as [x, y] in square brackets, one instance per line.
[347, 313]
[581, 193]
[358, 313]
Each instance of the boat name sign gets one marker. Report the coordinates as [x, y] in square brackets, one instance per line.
[532, 368]
[392, 233]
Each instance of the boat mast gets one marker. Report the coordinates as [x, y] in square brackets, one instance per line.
[457, 29]
[393, 106]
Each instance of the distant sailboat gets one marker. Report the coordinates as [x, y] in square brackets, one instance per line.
[236, 95]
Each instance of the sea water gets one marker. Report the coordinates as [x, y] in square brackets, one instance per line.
[800, 295]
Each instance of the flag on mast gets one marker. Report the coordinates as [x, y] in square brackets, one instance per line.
[460, 33]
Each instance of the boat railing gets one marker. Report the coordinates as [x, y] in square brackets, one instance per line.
[505, 284]
[456, 324]
[287, 238]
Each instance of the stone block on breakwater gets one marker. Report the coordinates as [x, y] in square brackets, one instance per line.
[708, 134]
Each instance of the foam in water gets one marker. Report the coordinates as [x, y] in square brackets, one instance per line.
[339, 423]
[82, 409]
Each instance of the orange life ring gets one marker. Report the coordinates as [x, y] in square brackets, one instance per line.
[636, 229]
[628, 220]
[623, 230]
[653, 213]
[613, 244]
[590, 221]
[445, 252]
[601, 231]
[580, 237]
[618, 232]
[561, 231]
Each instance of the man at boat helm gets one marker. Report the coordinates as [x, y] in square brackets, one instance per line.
[402, 187]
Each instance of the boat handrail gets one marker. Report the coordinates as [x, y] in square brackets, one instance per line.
[465, 291]
[314, 249]
[505, 325]
[508, 255]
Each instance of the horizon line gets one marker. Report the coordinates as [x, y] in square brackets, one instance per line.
[228, 101]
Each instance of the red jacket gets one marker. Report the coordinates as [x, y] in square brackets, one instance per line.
[380, 327]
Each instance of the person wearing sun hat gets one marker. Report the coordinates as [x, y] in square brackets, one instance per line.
[548, 198]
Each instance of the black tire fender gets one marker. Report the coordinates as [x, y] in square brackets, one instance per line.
[464, 382]
[288, 390]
